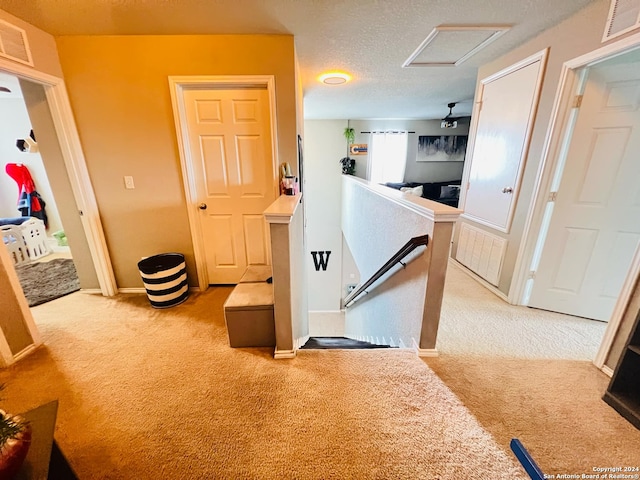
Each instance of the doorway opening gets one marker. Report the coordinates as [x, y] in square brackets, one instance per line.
[32, 228]
[226, 127]
[589, 187]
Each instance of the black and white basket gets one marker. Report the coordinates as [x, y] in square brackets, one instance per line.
[165, 279]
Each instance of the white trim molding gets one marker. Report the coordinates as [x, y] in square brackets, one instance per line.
[607, 371]
[283, 209]
[284, 354]
[424, 352]
[177, 86]
[75, 163]
[619, 311]
[434, 211]
[495, 31]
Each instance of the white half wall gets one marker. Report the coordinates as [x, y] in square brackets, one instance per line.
[375, 227]
[324, 146]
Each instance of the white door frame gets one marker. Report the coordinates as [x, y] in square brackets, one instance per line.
[548, 177]
[177, 86]
[76, 166]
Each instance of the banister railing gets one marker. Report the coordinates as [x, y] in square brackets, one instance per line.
[408, 247]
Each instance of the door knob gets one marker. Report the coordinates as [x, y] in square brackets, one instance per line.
[507, 190]
[202, 206]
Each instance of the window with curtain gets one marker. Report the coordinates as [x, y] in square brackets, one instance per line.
[387, 157]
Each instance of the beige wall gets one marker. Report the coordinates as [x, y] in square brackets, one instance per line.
[579, 34]
[119, 91]
[42, 45]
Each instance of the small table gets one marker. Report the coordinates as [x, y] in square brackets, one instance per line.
[44, 459]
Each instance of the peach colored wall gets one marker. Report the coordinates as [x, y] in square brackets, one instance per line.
[119, 91]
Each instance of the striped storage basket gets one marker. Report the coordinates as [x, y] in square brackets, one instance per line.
[165, 279]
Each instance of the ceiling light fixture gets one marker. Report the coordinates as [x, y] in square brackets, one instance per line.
[334, 78]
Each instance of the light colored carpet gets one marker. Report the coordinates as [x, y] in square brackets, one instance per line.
[474, 321]
[158, 394]
[554, 407]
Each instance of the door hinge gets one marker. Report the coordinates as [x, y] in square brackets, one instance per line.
[479, 105]
[553, 196]
[577, 101]
[468, 185]
[532, 274]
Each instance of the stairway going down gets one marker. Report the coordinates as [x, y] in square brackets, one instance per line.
[339, 343]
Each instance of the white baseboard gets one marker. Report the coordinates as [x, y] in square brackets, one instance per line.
[26, 351]
[424, 352]
[607, 371]
[492, 288]
[91, 291]
[284, 354]
[132, 290]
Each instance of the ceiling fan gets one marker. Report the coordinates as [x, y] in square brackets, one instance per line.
[450, 121]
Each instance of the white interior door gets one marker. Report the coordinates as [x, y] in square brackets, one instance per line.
[230, 142]
[595, 227]
[507, 107]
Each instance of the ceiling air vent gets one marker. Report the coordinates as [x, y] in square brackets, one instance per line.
[13, 43]
[624, 16]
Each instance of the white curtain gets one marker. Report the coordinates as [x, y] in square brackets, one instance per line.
[387, 157]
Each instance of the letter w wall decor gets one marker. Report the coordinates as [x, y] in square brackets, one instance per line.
[321, 260]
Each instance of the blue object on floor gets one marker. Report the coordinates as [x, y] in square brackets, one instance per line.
[529, 465]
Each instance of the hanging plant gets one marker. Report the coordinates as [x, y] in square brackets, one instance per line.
[350, 135]
[348, 163]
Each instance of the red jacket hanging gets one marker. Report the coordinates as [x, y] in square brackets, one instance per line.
[30, 203]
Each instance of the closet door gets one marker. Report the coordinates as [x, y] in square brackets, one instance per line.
[505, 114]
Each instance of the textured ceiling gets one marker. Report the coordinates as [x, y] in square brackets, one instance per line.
[368, 38]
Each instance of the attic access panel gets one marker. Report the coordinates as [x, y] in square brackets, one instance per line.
[450, 45]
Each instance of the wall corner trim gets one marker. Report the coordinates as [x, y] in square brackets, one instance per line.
[424, 352]
[284, 354]
[283, 209]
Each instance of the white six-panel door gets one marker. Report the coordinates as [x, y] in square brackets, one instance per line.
[595, 227]
[229, 135]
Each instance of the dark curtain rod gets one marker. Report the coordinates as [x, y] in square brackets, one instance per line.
[384, 131]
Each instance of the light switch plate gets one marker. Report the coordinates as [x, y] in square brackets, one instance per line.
[128, 182]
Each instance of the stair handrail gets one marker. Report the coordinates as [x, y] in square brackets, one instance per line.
[408, 247]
